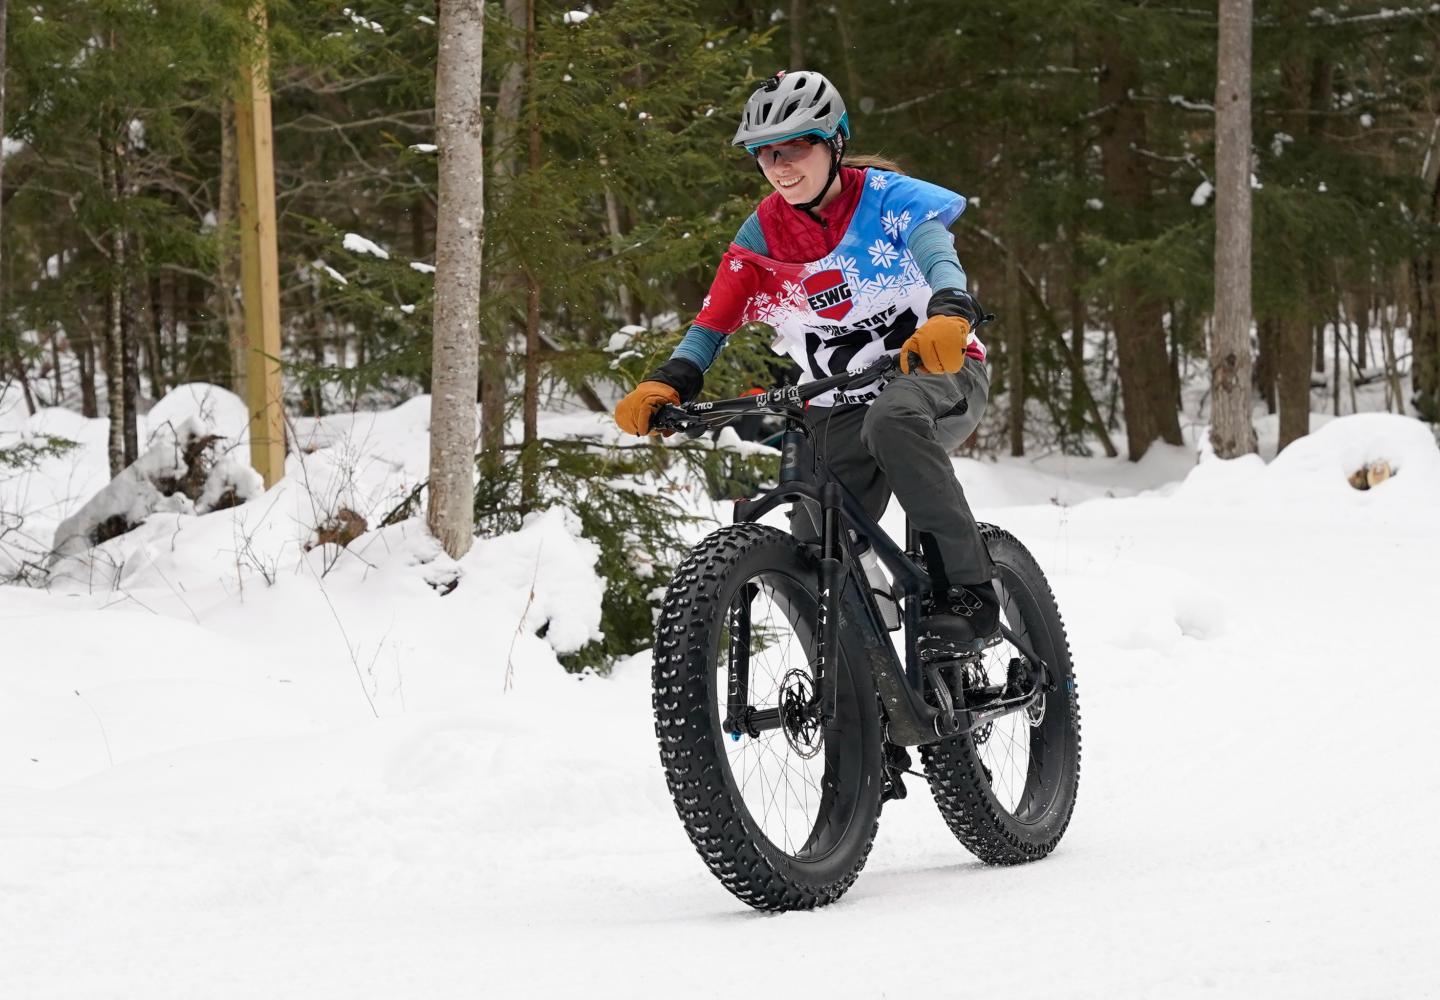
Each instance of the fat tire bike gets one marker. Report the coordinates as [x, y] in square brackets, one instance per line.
[784, 710]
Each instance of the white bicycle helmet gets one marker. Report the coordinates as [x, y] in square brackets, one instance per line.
[790, 106]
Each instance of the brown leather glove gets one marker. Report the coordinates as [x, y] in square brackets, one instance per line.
[634, 412]
[940, 342]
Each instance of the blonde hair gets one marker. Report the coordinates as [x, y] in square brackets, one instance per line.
[863, 160]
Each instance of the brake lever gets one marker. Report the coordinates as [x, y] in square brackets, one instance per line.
[676, 418]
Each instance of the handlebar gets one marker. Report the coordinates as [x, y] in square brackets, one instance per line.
[694, 419]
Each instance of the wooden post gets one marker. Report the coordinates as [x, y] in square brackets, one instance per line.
[259, 258]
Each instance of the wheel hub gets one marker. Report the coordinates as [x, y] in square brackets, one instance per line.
[798, 715]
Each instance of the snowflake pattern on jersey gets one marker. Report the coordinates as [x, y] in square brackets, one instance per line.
[883, 254]
[835, 262]
[851, 306]
[895, 224]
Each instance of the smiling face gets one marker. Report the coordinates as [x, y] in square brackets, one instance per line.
[797, 169]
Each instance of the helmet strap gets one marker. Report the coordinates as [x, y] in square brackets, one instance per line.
[836, 145]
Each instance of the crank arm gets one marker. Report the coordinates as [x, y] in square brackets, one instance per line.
[977, 718]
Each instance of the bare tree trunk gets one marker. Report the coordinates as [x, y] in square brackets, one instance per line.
[1425, 298]
[84, 347]
[1306, 84]
[1139, 332]
[530, 453]
[1335, 367]
[4, 4]
[230, 249]
[1362, 340]
[114, 322]
[55, 364]
[165, 331]
[1232, 432]
[130, 338]
[459, 241]
[19, 362]
[617, 244]
[1293, 390]
[1015, 351]
[1172, 351]
[1076, 275]
[1267, 362]
[121, 242]
[155, 338]
[505, 157]
[115, 379]
[1388, 313]
[314, 399]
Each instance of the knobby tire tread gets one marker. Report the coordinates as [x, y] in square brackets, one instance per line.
[694, 770]
[954, 769]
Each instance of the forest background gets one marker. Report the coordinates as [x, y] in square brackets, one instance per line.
[1083, 133]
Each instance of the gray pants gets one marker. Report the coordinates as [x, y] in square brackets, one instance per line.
[901, 443]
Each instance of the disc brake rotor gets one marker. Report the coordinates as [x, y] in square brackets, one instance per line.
[797, 714]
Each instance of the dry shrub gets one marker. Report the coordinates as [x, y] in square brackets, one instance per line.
[199, 459]
[341, 529]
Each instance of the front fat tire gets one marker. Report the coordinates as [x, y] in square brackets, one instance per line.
[688, 725]
[955, 769]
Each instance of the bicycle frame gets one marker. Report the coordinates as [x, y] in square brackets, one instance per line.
[842, 523]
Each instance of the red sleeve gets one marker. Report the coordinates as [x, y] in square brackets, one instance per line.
[735, 284]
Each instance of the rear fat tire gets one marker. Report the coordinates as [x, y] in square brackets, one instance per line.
[957, 776]
[688, 715]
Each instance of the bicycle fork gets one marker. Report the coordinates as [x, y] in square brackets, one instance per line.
[827, 639]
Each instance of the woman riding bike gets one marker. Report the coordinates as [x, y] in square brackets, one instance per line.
[843, 262]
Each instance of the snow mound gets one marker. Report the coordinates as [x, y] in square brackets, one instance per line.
[219, 410]
[62, 423]
[198, 420]
[1318, 466]
[1325, 459]
[157, 482]
[547, 569]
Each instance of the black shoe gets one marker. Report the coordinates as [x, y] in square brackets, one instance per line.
[964, 619]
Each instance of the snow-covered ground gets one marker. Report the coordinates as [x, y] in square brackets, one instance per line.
[230, 767]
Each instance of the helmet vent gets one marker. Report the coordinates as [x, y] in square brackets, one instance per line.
[823, 111]
[820, 91]
[790, 109]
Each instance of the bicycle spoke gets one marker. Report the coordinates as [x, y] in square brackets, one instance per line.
[781, 787]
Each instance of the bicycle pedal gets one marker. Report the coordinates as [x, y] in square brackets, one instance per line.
[897, 762]
[897, 758]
